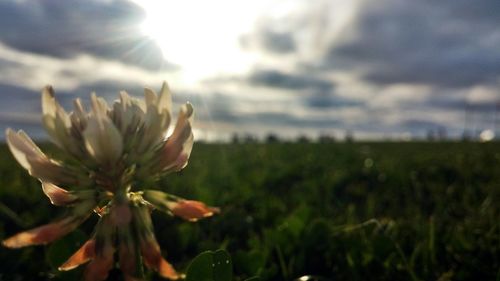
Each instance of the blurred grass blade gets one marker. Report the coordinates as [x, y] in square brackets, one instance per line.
[12, 215]
[312, 278]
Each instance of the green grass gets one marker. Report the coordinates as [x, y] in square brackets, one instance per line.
[344, 211]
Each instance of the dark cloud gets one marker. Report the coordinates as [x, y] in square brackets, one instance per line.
[293, 121]
[419, 124]
[320, 101]
[445, 43]
[278, 79]
[449, 45]
[35, 131]
[19, 110]
[478, 12]
[223, 107]
[277, 42]
[265, 38]
[320, 93]
[108, 29]
[459, 104]
[274, 119]
[19, 99]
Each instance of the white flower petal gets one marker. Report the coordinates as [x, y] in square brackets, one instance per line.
[152, 129]
[22, 149]
[79, 110]
[56, 121]
[79, 115]
[49, 109]
[62, 124]
[48, 102]
[103, 140]
[155, 122]
[165, 99]
[99, 105]
[78, 124]
[128, 115]
[32, 159]
[150, 97]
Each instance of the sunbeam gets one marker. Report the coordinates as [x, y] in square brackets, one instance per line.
[201, 37]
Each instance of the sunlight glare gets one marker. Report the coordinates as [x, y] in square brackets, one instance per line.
[202, 37]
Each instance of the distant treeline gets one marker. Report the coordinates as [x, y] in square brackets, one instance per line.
[438, 135]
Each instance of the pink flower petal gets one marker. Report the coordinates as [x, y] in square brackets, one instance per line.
[192, 210]
[177, 148]
[128, 262]
[57, 195]
[43, 234]
[98, 269]
[152, 258]
[103, 260]
[83, 255]
[120, 214]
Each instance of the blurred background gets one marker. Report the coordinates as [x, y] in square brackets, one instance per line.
[388, 69]
[271, 70]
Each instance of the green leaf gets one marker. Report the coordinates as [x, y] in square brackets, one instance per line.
[255, 278]
[211, 266]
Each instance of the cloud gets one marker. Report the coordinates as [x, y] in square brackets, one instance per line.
[458, 104]
[444, 44]
[330, 101]
[419, 125]
[279, 79]
[33, 71]
[390, 66]
[276, 42]
[64, 29]
[20, 109]
[378, 69]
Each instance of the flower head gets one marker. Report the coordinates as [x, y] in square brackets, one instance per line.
[110, 149]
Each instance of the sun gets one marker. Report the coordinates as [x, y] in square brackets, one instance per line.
[202, 37]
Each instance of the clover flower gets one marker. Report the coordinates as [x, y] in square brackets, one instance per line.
[108, 151]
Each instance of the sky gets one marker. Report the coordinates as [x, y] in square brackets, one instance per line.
[378, 69]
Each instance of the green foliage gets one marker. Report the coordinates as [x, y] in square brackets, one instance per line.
[212, 266]
[333, 211]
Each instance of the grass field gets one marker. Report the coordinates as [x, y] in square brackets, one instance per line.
[342, 211]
